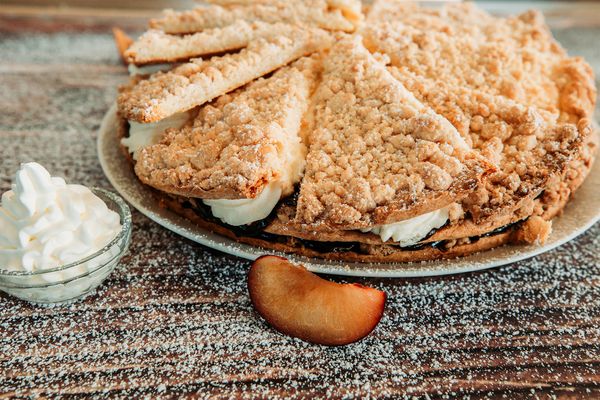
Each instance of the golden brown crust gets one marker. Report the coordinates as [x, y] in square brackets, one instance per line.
[580, 167]
[377, 155]
[561, 188]
[533, 231]
[238, 144]
[197, 82]
[463, 228]
[156, 46]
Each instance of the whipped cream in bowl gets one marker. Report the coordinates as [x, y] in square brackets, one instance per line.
[58, 241]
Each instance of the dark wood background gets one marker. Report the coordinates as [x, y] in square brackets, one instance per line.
[175, 317]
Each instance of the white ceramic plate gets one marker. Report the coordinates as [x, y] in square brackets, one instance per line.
[581, 213]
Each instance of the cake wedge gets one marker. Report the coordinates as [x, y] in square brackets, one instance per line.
[376, 154]
[245, 147]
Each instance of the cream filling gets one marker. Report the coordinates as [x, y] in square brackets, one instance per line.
[245, 211]
[149, 69]
[144, 135]
[413, 230]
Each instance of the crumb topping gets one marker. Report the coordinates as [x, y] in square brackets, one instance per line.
[239, 143]
[526, 150]
[385, 144]
[156, 46]
[197, 82]
[504, 83]
[514, 57]
[373, 145]
[332, 15]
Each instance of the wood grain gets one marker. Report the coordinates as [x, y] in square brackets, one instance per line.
[175, 319]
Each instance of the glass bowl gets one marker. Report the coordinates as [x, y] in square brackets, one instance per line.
[75, 280]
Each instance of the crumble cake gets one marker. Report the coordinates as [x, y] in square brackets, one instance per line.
[238, 144]
[417, 134]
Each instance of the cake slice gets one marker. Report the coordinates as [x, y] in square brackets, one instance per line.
[334, 15]
[377, 155]
[156, 46]
[241, 145]
[122, 41]
[197, 82]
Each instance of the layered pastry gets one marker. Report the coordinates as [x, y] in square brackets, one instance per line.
[393, 133]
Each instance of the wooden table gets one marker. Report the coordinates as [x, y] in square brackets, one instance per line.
[175, 317]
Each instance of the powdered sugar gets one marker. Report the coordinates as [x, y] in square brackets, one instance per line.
[179, 319]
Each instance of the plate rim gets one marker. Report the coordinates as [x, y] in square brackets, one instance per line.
[187, 229]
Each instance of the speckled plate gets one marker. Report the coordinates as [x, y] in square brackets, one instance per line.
[581, 213]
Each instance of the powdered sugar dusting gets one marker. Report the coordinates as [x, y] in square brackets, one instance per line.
[178, 318]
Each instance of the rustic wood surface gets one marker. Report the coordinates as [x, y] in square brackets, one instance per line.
[175, 317]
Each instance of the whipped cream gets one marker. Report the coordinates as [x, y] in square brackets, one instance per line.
[149, 69]
[411, 231]
[294, 161]
[46, 223]
[143, 135]
[245, 211]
